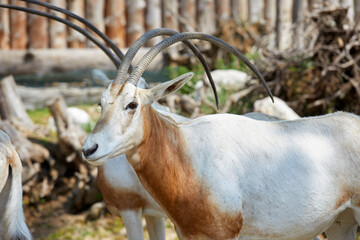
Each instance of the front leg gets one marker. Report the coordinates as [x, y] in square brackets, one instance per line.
[155, 227]
[133, 223]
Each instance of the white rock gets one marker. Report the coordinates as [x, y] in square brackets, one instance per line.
[277, 109]
[229, 79]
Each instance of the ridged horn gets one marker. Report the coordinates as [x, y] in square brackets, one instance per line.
[130, 54]
[151, 54]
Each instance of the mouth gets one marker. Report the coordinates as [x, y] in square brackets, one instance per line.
[97, 161]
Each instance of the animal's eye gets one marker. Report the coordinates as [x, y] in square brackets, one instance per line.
[132, 106]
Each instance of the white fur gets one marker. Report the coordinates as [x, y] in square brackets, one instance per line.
[287, 178]
[12, 221]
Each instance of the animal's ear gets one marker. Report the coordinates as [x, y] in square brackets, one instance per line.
[163, 89]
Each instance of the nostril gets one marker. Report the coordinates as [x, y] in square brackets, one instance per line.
[90, 151]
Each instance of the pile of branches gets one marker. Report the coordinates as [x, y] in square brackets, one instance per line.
[52, 166]
[323, 76]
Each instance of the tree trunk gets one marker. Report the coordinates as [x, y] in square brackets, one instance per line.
[95, 15]
[18, 22]
[206, 16]
[11, 106]
[57, 30]
[38, 29]
[299, 12]
[135, 20]
[283, 24]
[188, 12]
[4, 27]
[223, 10]
[170, 13]
[71, 136]
[153, 19]
[75, 39]
[256, 11]
[315, 5]
[115, 21]
[349, 4]
[332, 3]
[270, 14]
[46, 61]
[357, 13]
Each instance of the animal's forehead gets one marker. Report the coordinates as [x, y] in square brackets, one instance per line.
[115, 90]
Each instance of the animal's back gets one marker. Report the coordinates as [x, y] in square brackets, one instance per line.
[282, 171]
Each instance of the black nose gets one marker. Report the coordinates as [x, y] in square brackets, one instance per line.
[90, 151]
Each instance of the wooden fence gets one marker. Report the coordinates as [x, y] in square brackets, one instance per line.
[124, 21]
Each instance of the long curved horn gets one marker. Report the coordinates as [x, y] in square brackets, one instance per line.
[106, 39]
[131, 52]
[151, 54]
[113, 58]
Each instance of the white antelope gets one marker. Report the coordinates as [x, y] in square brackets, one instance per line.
[12, 221]
[226, 176]
[123, 194]
[201, 199]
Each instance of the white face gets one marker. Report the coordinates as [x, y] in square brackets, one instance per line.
[119, 126]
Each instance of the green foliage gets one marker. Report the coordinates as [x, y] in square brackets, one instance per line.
[39, 116]
[306, 64]
[234, 63]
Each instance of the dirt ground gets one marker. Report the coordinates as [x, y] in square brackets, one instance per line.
[50, 221]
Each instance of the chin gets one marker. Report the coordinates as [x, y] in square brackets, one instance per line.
[97, 162]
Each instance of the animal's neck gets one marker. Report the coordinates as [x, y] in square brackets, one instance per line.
[166, 172]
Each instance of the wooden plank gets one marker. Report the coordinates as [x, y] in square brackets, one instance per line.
[153, 19]
[170, 12]
[256, 11]
[270, 13]
[283, 24]
[57, 30]
[332, 3]
[357, 13]
[223, 10]
[38, 28]
[135, 20]
[18, 23]
[94, 10]
[4, 27]
[115, 21]
[206, 16]
[315, 5]
[188, 13]
[75, 39]
[349, 4]
[299, 11]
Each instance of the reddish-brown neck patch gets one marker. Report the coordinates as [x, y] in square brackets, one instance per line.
[118, 198]
[166, 172]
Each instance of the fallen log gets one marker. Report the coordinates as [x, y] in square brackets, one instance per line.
[31, 154]
[11, 106]
[70, 136]
[70, 139]
[41, 61]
